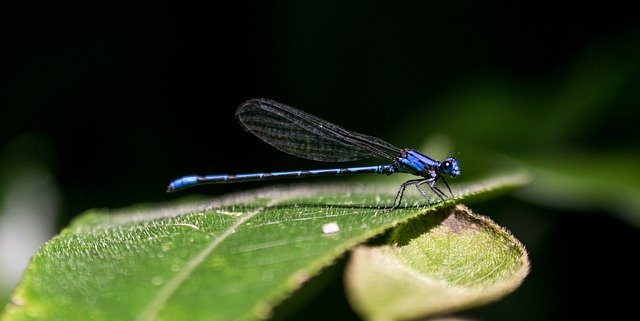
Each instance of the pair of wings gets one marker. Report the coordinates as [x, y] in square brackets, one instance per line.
[301, 134]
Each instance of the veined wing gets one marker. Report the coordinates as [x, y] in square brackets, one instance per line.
[304, 135]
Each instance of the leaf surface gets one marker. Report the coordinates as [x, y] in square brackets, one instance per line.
[225, 259]
[445, 261]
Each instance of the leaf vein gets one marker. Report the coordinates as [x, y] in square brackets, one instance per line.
[155, 306]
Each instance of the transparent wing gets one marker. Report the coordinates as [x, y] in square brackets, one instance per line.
[301, 134]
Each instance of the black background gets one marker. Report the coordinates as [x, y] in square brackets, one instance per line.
[131, 95]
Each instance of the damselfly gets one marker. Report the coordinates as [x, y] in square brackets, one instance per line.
[304, 135]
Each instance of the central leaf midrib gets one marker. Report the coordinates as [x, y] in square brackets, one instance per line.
[151, 311]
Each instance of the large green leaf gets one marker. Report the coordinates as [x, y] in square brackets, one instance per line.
[225, 259]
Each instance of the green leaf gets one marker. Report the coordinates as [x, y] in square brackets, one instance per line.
[437, 263]
[607, 182]
[225, 259]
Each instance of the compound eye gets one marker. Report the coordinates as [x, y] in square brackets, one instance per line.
[450, 167]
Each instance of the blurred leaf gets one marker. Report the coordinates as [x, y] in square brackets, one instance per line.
[604, 182]
[510, 115]
[441, 262]
[227, 259]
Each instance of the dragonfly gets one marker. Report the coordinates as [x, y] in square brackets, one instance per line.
[307, 136]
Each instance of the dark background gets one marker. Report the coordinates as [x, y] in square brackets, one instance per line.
[115, 99]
